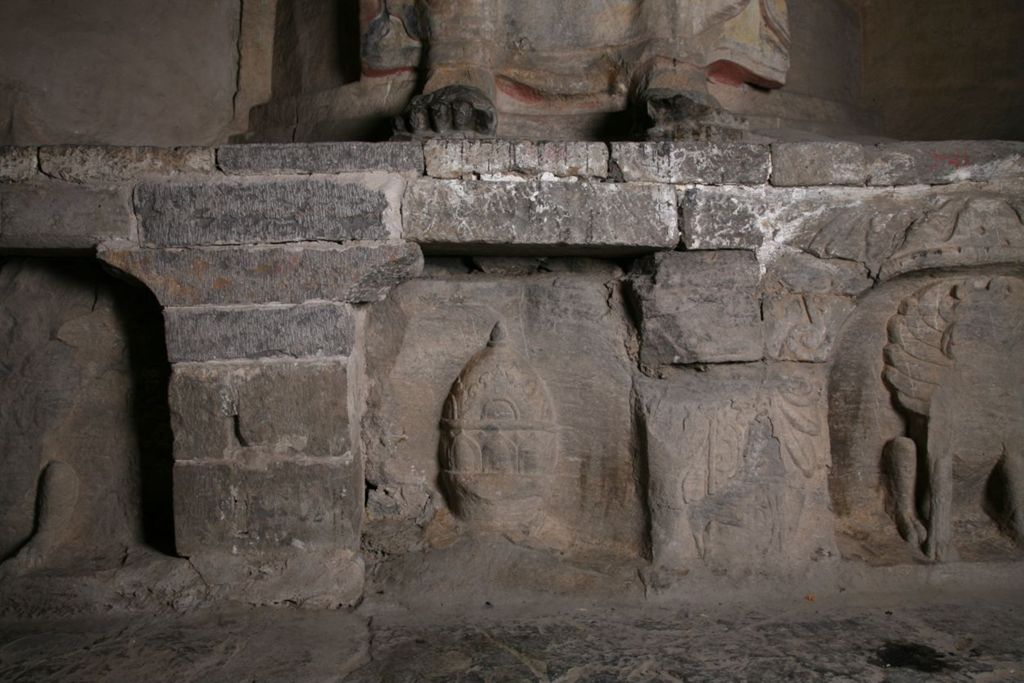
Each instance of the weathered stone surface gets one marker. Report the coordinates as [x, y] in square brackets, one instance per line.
[890, 231]
[904, 163]
[62, 216]
[17, 163]
[237, 332]
[85, 76]
[926, 400]
[581, 217]
[94, 163]
[267, 274]
[713, 220]
[235, 507]
[693, 162]
[806, 302]
[327, 157]
[481, 158]
[737, 460]
[73, 419]
[566, 335]
[336, 209]
[699, 307]
[252, 411]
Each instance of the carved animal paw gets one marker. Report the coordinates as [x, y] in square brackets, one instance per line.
[455, 111]
[673, 115]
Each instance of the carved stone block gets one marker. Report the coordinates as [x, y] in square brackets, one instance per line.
[62, 216]
[692, 162]
[476, 158]
[246, 332]
[540, 217]
[699, 307]
[736, 460]
[269, 274]
[86, 163]
[17, 163]
[347, 157]
[253, 410]
[530, 437]
[335, 209]
[936, 434]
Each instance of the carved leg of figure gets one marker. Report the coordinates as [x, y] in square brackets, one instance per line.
[58, 496]
[458, 97]
[939, 545]
[901, 461]
[1013, 467]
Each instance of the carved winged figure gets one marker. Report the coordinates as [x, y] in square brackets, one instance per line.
[954, 368]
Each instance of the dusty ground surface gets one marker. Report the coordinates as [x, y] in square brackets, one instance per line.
[970, 638]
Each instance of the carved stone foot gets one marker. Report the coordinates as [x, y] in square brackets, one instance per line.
[58, 496]
[673, 115]
[456, 111]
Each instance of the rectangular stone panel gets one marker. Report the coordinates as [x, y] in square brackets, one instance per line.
[325, 157]
[235, 507]
[98, 163]
[699, 307]
[737, 460]
[475, 158]
[540, 217]
[62, 216]
[237, 332]
[253, 411]
[246, 211]
[17, 163]
[291, 273]
[705, 163]
[901, 163]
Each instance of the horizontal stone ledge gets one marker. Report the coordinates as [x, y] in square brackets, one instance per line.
[326, 157]
[293, 273]
[55, 215]
[259, 412]
[17, 163]
[452, 159]
[580, 217]
[231, 507]
[92, 163]
[704, 163]
[252, 211]
[900, 163]
[245, 332]
[888, 231]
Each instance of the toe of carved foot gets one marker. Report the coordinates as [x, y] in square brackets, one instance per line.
[674, 115]
[455, 111]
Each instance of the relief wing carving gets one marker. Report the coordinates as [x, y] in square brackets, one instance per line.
[917, 356]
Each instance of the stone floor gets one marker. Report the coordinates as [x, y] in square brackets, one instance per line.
[805, 638]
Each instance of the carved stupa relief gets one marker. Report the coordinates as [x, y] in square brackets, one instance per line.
[499, 439]
[953, 367]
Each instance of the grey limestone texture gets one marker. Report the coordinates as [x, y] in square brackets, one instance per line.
[699, 307]
[291, 273]
[352, 157]
[236, 332]
[62, 215]
[82, 164]
[498, 158]
[17, 163]
[336, 209]
[693, 162]
[904, 163]
[545, 217]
